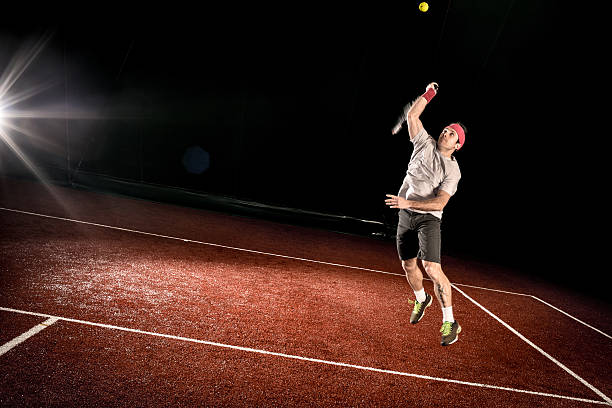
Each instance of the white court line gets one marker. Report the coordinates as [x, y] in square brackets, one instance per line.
[197, 242]
[23, 337]
[545, 354]
[493, 290]
[302, 358]
[572, 317]
[283, 256]
[542, 301]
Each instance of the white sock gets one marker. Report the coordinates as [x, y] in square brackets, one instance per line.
[447, 314]
[420, 295]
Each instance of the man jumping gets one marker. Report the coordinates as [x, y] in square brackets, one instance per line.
[431, 180]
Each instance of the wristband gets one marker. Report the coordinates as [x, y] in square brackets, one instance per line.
[429, 94]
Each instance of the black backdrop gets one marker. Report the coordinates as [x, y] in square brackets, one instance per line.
[294, 106]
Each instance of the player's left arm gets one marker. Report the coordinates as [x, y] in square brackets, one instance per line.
[433, 204]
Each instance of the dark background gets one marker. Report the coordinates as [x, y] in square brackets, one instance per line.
[295, 104]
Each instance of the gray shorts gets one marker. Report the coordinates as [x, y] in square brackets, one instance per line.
[418, 236]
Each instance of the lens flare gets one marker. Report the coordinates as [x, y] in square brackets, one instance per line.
[17, 122]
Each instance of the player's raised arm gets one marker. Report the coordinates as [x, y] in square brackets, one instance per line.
[413, 111]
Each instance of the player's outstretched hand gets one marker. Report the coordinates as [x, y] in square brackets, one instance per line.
[396, 202]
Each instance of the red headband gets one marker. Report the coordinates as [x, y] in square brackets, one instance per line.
[457, 128]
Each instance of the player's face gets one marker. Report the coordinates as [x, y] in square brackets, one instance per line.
[448, 138]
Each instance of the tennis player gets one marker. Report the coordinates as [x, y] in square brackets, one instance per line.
[432, 178]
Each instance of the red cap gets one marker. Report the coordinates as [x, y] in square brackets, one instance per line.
[457, 128]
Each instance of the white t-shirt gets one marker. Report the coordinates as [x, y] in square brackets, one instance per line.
[428, 171]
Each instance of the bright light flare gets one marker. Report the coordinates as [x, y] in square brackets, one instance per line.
[18, 64]
[16, 122]
[9, 101]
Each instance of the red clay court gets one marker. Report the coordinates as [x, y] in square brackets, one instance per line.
[113, 301]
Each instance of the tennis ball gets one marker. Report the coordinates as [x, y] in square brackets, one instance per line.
[423, 7]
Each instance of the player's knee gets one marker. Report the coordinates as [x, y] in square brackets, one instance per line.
[409, 265]
[434, 270]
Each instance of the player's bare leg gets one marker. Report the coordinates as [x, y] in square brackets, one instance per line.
[442, 286]
[450, 328]
[415, 279]
[413, 274]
